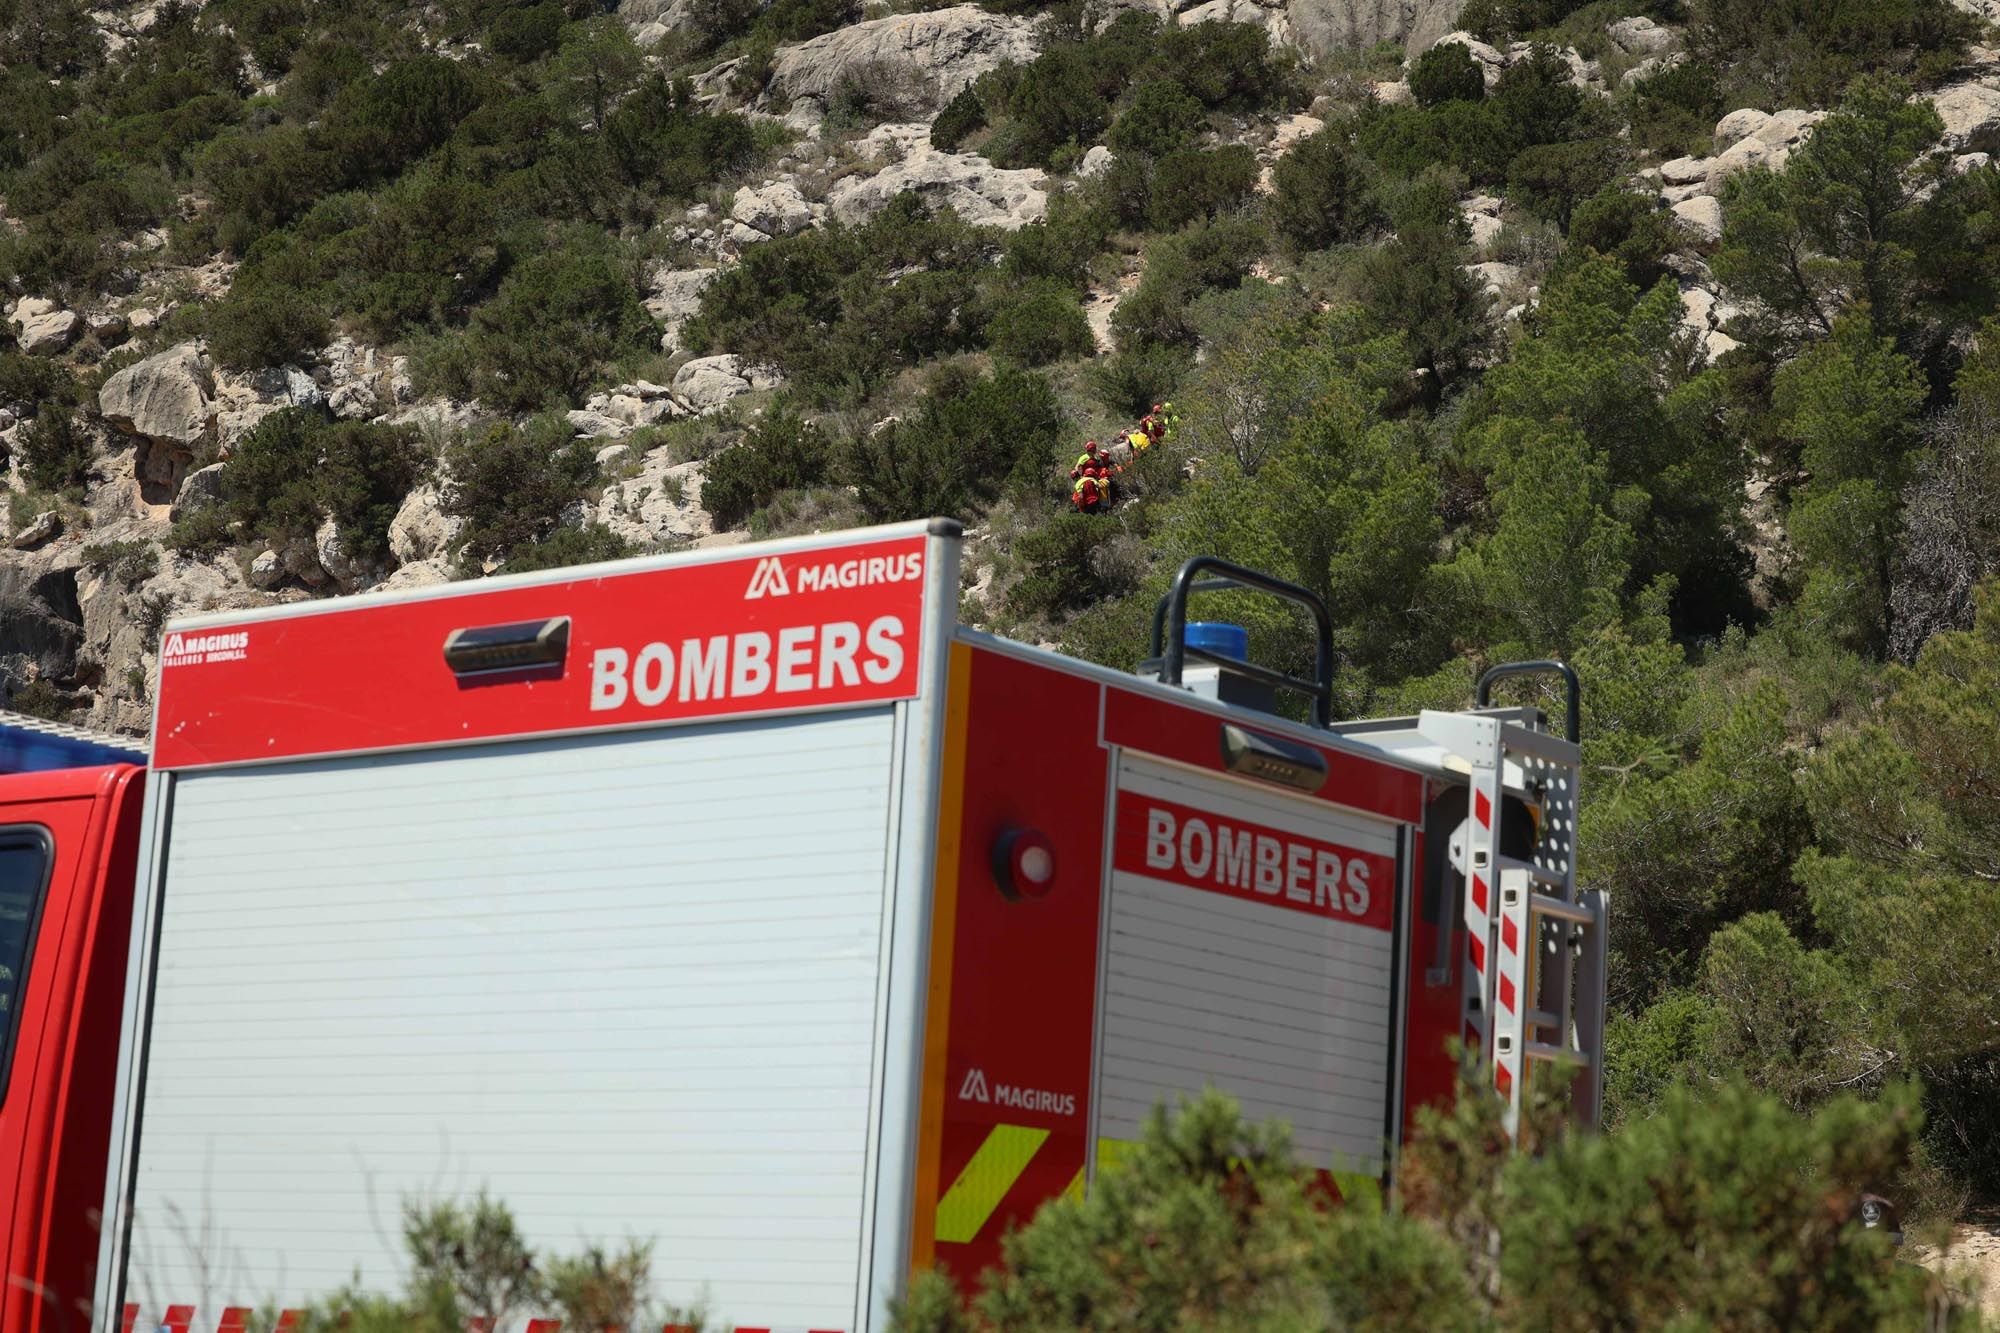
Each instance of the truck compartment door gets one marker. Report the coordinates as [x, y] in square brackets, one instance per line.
[626, 984]
[1249, 945]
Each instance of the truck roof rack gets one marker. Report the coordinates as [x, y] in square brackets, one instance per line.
[30, 744]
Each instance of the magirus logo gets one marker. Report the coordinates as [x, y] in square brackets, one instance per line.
[198, 649]
[975, 1088]
[771, 579]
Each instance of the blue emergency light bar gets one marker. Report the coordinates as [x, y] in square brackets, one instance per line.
[35, 745]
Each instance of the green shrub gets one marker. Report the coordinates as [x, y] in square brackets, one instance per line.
[55, 451]
[128, 562]
[38, 698]
[1058, 575]
[966, 438]
[961, 116]
[782, 452]
[1201, 184]
[1322, 194]
[566, 546]
[558, 320]
[1552, 179]
[1061, 246]
[1447, 73]
[260, 324]
[512, 486]
[527, 34]
[1178, 270]
[1038, 324]
[1674, 111]
[1161, 118]
[1629, 227]
[295, 469]
[1129, 383]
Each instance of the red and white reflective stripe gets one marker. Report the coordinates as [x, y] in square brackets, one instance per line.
[235, 1319]
[1480, 846]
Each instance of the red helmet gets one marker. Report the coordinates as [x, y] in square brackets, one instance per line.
[1158, 407]
[1090, 446]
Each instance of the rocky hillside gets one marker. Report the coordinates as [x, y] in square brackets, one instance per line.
[1657, 335]
[139, 368]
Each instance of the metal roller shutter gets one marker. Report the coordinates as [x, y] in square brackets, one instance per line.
[1287, 1011]
[628, 985]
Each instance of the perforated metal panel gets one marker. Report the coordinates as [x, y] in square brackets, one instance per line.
[627, 985]
[1289, 1012]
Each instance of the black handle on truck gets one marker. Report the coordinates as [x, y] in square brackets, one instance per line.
[1170, 630]
[1572, 691]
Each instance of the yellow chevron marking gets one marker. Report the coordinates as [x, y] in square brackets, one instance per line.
[963, 1210]
[1074, 1190]
[1111, 1152]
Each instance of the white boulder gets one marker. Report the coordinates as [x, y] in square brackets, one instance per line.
[981, 193]
[907, 65]
[778, 209]
[1969, 111]
[1703, 216]
[710, 382]
[43, 328]
[675, 299]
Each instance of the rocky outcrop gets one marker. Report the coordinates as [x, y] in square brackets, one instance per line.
[1324, 27]
[710, 382]
[1642, 37]
[168, 402]
[1744, 139]
[980, 192]
[776, 209]
[1971, 116]
[421, 529]
[905, 66]
[675, 299]
[660, 504]
[43, 328]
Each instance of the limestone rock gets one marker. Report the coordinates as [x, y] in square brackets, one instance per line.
[1686, 170]
[660, 504]
[778, 209]
[46, 526]
[267, 570]
[43, 328]
[416, 574]
[421, 530]
[1095, 162]
[1326, 27]
[1970, 111]
[1641, 37]
[337, 558]
[909, 65]
[1497, 278]
[354, 401]
[1703, 216]
[201, 490]
[675, 299]
[1740, 124]
[167, 399]
[983, 194]
[709, 382]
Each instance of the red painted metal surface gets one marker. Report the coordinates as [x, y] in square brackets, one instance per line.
[826, 627]
[55, 1116]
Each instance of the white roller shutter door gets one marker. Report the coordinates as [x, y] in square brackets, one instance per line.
[1287, 1011]
[627, 985]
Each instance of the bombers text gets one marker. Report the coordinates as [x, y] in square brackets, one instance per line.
[798, 659]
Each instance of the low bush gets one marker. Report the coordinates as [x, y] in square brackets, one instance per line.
[559, 319]
[1039, 324]
[1161, 118]
[965, 440]
[586, 545]
[961, 116]
[782, 452]
[128, 562]
[1322, 193]
[295, 469]
[513, 485]
[1447, 73]
[56, 452]
[1201, 184]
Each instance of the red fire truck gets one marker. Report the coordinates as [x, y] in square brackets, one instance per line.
[745, 901]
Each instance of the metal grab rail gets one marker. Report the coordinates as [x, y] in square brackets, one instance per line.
[1170, 630]
[1572, 690]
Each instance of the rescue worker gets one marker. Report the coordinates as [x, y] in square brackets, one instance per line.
[1084, 496]
[1104, 486]
[1139, 439]
[1084, 460]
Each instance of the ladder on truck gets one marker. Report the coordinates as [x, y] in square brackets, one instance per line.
[1533, 986]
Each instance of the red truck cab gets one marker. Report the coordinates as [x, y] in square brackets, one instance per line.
[68, 844]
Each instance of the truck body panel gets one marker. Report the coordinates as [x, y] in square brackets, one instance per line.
[740, 901]
[68, 843]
